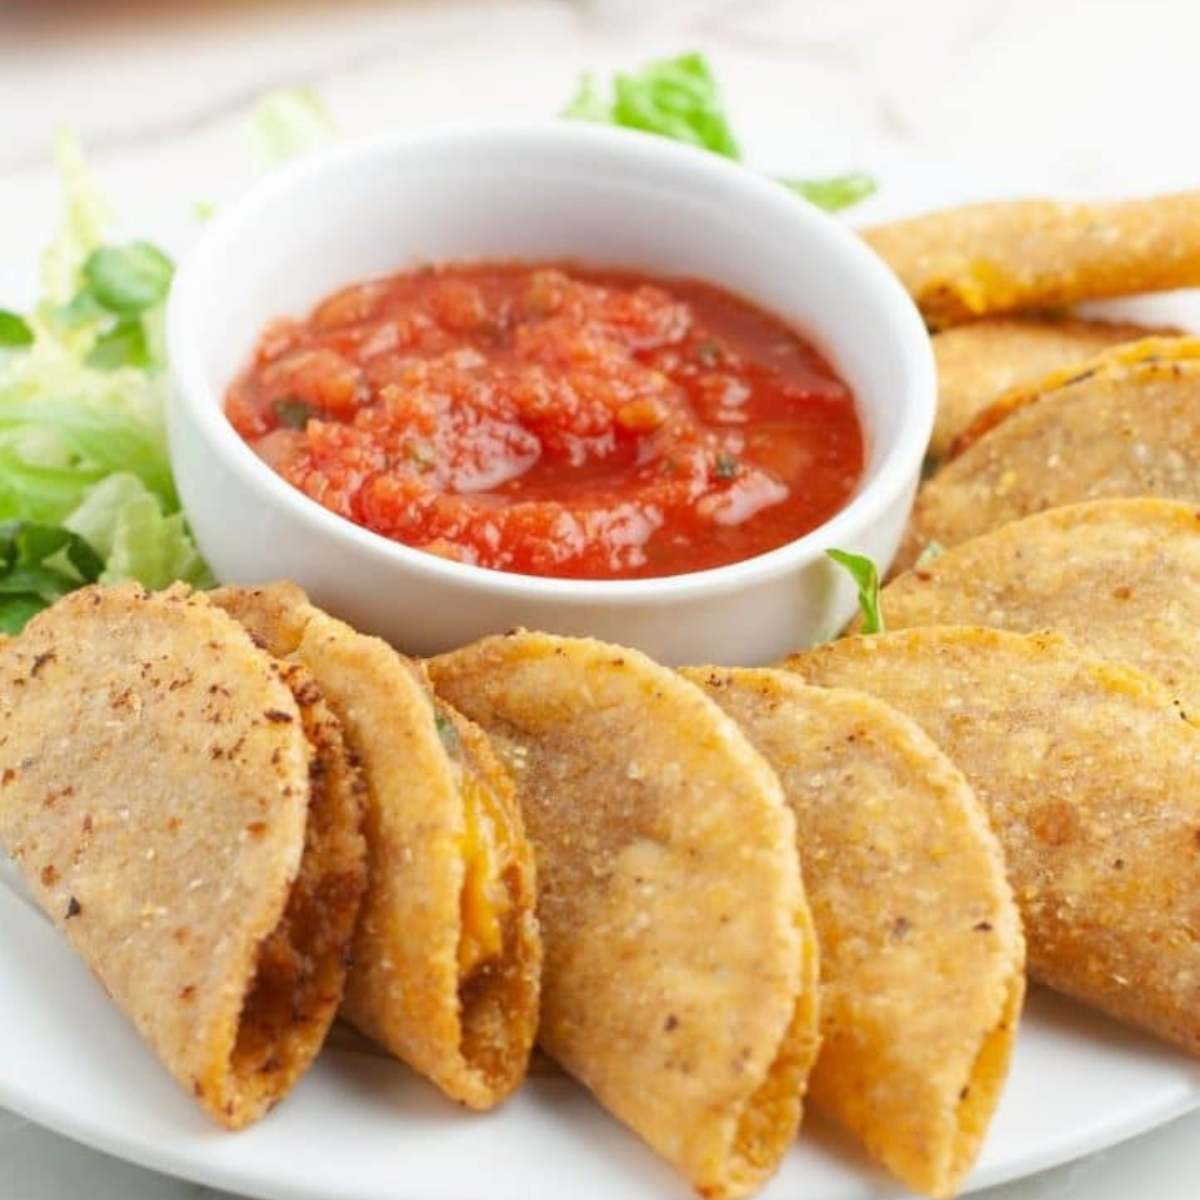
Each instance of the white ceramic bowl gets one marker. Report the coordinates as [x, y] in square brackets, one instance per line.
[554, 191]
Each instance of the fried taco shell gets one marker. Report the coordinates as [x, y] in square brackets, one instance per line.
[922, 957]
[1091, 780]
[1146, 360]
[680, 976]
[184, 809]
[979, 362]
[1125, 424]
[1121, 578]
[447, 958]
[984, 259]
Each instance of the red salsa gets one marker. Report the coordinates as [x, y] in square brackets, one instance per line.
[554, 420]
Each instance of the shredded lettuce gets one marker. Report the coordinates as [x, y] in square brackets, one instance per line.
[866, 578]
[127, 526]
[836, 192]
[678, 98]
[85, 216]
[86, 491]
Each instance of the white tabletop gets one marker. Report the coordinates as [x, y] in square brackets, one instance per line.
[1079, 96]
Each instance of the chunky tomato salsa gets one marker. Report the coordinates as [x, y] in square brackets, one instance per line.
[554, 420]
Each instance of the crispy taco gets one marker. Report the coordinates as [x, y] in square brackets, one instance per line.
[1090, 775]
[922, 957]
[680, 975]
[1115, 374]
[979, 362]
[984, 259]
[447, 958]
[1120, 578]
[184, 809]
[1124, 424]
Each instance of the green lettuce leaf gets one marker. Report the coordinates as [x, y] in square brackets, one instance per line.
[38, 564]
[128, 279]
[866, 578]
[53, 450]
[679, 98]
[125, 524]
[836, 192]
[15, 612]
[589, 103]
[15, 331]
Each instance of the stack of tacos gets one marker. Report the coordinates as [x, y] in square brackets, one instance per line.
[248, 825]
[249, 818]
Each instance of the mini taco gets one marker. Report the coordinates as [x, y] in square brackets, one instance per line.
[984, 259]
[1124, 424]
[1091, 780]
[1120, 578]
[447, 957]
[979, 362]
[922, 958]
[185, 811]
[680, 976]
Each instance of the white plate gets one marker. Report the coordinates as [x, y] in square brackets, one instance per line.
[363, 1127]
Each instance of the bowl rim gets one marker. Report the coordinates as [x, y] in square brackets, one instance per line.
[898, 461]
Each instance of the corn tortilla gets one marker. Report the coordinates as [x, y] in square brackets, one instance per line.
[680, 975]
[1010, 256]
[922, 957]
[1091, 779]
[1146, 359]
[1120, 578]
[1127, 424]
[184, 810]
[469, 1027]
[979, 362]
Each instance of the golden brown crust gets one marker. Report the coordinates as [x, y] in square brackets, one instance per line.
[1124, 424]
[978, 363]
[922, 957]
[1010, 256]
[679, 981]
[274, 614]
[1114, 365]
[1091, 780]
[156, 794]
[1120, 578]
[300, 974]
[404, 985]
